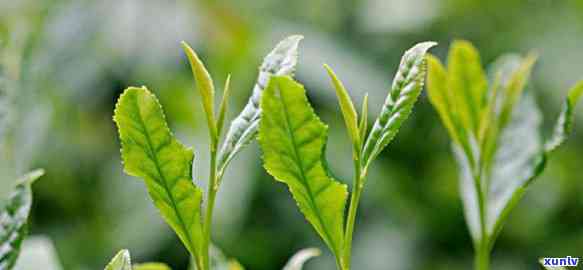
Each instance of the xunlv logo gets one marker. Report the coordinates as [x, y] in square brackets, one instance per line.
[567, 261]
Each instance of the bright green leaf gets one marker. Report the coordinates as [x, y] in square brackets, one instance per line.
[224, 105]
[293, 140]
[363, 125]
[467, 83]
[441, 97]
[406, 88]
[282, 62]
[299, 259]
[121, 261]
[151, 266]
[205, 86]
[13, 219]
[347, 108]
[150, 151]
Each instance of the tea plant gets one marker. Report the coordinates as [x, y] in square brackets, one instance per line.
[495, 133]
[293, 140]
[150, 151]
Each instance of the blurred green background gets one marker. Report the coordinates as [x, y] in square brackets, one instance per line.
[66, 62]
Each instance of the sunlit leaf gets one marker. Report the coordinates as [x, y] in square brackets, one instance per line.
[281, 61]
[13, 219]
[293, 140]
[467, 82]
[299, 259]
[223, 106]
[363, 125]
[205, 86]
[441, 97]
[347, 108]
[150, 151]
[121, 261]
[151, 266]
[407, 86]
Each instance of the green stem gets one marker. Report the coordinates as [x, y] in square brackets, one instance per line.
[353, 208]
[212, 193]
[482, 257]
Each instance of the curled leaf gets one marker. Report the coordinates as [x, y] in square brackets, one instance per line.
[205, 86]
[347, 108]
[564, 125]
[299, 259]
[13, 219]
[281, 61]
[406, 88]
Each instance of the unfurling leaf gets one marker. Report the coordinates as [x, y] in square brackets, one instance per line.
[406, 88]
[151, 266]
[564, 124]
[150, 151]
[467, 82]
[299, 259]
[282, 62]
[205, 86]
[347, 108]
[363, 125]
[293, 140]
[13, 219]
[121, 261]
[500, 158]
[224, 105]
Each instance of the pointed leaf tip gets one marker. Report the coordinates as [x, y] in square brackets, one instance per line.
[347, 108]
[205, 87]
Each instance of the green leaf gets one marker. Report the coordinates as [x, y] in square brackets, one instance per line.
[564, 125]
[363, 125]
[293, 140]
[467, 82]
[347, 108]
[13, 219]
[121, 261]
[280, 61]
[407, 86]
[442, 98]
[205, 86]
[150, 151]
[299, 259]
[224, 105]
[151, 266]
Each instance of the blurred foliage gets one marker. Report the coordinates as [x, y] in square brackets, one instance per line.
[69, 60]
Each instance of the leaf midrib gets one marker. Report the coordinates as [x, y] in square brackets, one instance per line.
[302, 173]
[158, 169]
